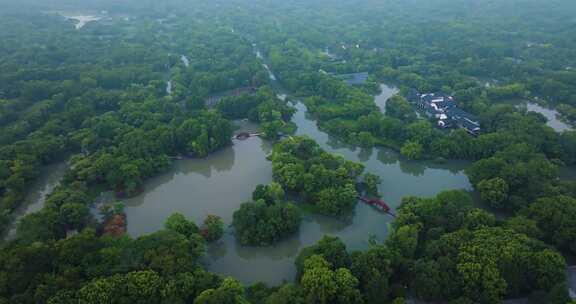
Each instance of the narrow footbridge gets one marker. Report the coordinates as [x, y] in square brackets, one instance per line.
[245, 135]
[378, 204]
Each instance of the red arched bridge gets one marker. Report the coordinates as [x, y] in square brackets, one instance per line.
[378, 204]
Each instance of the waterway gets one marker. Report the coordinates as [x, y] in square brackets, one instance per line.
[185, 60]
[81, 20]
[219, 183]
[49, 178]
[169, 87]
[215, 185]
[551, 116]
[385, 93]
[169, 83]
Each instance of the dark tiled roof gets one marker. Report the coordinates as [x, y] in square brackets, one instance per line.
[446, 104]
[438, 103]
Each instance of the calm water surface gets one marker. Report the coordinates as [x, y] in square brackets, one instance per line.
[219, 183]
[48, 180]
[385, 93]
[216, 185]
[551, 116]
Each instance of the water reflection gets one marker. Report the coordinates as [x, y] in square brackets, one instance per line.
[412, 168]
[365, 154]
[399, 178]
[288, 248]
[219, 183]
[216, 185]
[330, 225]
[387, 157]
[220, 161]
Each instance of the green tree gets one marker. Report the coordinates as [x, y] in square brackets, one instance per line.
[257, 223]
[270, 193]
[522, 224]
[212, 228]
[398, 107]
[372, 181]
[412, 150]
[373, 268]
[321, 284]
[229, 292]
[405, 240]
[337, 201]
[332, 249]
[318, 280]
[556, 217]
[287, 294]
[494, 191]
[178, 223]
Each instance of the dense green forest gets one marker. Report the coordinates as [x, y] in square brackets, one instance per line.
[122, 97]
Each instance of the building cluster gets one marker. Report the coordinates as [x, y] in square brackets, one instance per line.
[443, 109]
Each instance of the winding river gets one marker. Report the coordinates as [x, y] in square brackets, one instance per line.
[49, 178]
[551, 115]
[219, 183]
[381, 99]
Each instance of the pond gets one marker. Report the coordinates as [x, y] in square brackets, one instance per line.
[219, 183]
[216, 185]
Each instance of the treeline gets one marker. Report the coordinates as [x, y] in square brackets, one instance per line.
[349, 113]
[268, 218]
[100, 93]
[440, 248]
[450, 251]
[517, 157]
[265, 108]
[163, 267]
[318, 180]
[100, 97]
[218, 61]
[55, 80]
[325, 181]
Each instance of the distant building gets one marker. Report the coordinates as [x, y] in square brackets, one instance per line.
[354, 78]
[442, 107]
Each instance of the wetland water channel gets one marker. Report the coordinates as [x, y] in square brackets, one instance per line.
[219, 183]
[551, 115]
[49, 179]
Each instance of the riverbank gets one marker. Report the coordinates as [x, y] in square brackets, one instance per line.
[553, 119]
[44, 185]
[219, 183]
